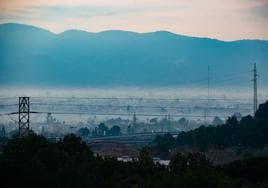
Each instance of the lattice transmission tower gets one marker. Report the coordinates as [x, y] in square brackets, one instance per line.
[255, 91]
[24, 116]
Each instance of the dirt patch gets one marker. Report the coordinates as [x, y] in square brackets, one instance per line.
[113, 149]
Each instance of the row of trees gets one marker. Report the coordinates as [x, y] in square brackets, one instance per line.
[100, 131]
[248, 132]
[33, 161]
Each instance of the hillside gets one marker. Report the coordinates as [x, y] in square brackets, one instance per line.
[34, 56]
[249, 132]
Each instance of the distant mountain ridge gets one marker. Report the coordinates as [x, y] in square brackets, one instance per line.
[34, 56]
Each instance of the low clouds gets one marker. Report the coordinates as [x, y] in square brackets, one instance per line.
[222, 19]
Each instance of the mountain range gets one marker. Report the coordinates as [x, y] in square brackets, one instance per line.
[37, 57]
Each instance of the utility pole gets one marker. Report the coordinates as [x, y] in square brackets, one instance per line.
[255, 94]
[162, 127]
[24, 116]
[168, 119]
[208, 88]
[208, 94]
[134, 123]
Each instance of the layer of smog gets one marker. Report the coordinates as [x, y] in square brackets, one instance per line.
[67, 110]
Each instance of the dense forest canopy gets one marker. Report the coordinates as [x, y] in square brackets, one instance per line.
[33, 161]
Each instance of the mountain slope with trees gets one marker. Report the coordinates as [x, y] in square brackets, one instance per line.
[248, 132]
[79, 58]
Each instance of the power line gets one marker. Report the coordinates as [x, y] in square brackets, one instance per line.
[123, 114]
[114, 114]
[130, 106]
[9, 113]
[5, 105]
[10, 117]
[208, 88]
[138, 98]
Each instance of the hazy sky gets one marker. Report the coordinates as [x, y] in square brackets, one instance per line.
[222, 19]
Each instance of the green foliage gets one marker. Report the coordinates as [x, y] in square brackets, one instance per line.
[3, 141]
[181, 163]
[253, 169]
[262, 114]
[83, 132]
[115, 131]
[249, 132]
[33, 161]
[102, 129]
[178, 164]
[165, 142]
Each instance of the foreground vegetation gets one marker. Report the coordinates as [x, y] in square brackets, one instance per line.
[33, 161]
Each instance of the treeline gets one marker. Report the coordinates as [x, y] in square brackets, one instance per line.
[100, 131]
[33, 161]
[248, 132]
